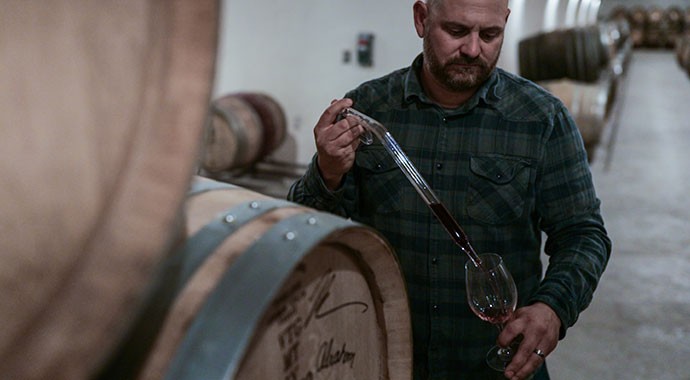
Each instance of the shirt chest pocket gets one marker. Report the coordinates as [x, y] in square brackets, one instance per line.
[380, 181]
[498, 189]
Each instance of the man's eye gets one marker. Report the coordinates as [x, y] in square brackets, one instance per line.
[489, 36]
[458, 32]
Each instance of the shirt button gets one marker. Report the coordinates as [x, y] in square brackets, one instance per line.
[439, 166]
[498, 176]
[435, 307]
[445, 120]
[378, 166]
[434, 260]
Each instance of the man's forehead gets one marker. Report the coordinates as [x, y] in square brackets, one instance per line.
[471, 12]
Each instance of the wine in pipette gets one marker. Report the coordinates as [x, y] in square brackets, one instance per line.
[456, 233]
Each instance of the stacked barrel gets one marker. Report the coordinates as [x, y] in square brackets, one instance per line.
[242, 132]
[683, 52]
[683, 43]
[653, 26]
[242, 128]
[659, 28]
[583, 66]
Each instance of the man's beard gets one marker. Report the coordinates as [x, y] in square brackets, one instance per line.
[457, 78]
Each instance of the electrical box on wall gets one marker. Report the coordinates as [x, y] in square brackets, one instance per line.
[365, 49]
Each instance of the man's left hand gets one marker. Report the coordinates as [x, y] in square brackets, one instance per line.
[539, 325]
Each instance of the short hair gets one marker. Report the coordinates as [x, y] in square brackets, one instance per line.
[434, 3]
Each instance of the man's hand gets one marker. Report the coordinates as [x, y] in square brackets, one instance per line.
[336, 142]
[540, 326]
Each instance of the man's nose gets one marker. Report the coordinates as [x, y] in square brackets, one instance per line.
[471, 46]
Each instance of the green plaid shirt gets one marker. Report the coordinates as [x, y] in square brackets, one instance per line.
[508, 164]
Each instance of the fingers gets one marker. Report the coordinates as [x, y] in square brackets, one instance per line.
[336, 142]
[539, 326]
[329, 115]
[526, 360]
[332, 136]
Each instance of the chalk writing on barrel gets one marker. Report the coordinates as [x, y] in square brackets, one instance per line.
[327, 357]
[294, 310]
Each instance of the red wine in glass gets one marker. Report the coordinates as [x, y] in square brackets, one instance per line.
[492, 296]
[495, 316]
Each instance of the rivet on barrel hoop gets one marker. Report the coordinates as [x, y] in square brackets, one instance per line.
[229, 218]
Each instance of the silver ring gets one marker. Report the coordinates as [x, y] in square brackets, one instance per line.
[539, 353]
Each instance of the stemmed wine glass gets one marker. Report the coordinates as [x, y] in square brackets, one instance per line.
[492, 296]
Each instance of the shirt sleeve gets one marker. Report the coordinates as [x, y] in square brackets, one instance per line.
[311, 191]
[577, 243]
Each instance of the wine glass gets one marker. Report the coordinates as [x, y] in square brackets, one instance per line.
[492, 296]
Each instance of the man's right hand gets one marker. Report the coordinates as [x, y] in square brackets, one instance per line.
[336, 143]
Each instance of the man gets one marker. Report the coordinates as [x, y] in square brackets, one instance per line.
[505, 158]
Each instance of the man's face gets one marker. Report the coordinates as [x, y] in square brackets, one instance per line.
[462, 41]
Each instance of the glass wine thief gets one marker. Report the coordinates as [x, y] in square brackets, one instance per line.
[373, 127]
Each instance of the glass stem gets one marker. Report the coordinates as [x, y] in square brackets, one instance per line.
[504, 353]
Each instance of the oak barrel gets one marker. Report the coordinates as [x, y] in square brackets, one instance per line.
[574, 53]
[675, 17]
[619, 12]
[590, 104]
[242, 129]
[273, 120]
[101, 115]
[683, 52]
[268, 289]
[660, 32]
[638, 18]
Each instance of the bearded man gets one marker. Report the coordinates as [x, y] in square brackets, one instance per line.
[506, 159]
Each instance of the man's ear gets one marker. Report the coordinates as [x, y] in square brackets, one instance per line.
[421, 12]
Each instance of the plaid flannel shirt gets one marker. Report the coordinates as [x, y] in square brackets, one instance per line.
[508, 164]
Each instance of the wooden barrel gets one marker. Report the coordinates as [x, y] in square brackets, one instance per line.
[683, 52]
[233, 135]
[657, 28]
[619, 12]
[268, 289]
[676, 25]
[273, 120]
[638, 24]
[242, 129]
[680, 49]
[574, 53]
[101, 116]
[590, 104]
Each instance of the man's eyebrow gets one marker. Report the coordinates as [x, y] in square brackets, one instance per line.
[452, 24]
[456, 24]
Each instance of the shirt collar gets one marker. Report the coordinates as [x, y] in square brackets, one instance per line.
[488, 93]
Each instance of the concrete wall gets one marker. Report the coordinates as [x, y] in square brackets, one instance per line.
[294, 51]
